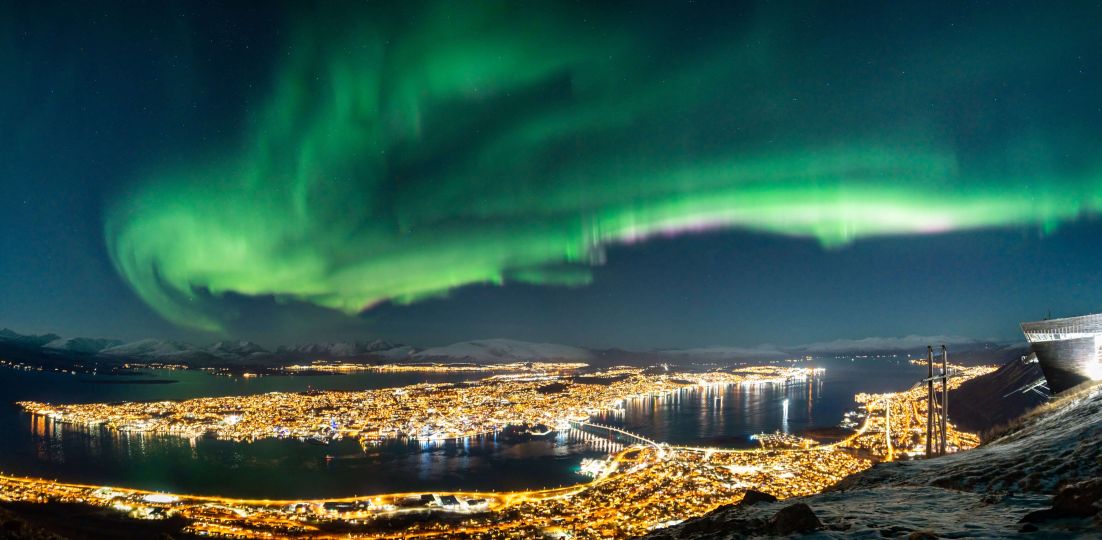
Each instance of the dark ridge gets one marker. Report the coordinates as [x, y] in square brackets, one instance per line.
[996, 398]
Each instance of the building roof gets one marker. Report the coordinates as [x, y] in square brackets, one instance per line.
[1065, 328]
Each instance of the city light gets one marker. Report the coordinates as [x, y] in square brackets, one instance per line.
[429, 412]
[646, 485]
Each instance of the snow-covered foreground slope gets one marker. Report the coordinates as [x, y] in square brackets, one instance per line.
[982, 493]
[1059, 443]
[884, 512]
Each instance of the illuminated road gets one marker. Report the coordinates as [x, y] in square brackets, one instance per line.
[645, 485]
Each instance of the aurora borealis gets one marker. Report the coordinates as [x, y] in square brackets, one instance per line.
[388, 154]
[403, 156]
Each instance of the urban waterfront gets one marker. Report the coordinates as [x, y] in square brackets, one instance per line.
[639, 485]
[499, 270]
[722, 416]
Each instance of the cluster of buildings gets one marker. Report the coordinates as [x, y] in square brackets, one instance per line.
[322, 366]
[636, 490]
[664, 486]
[421, 411]
[780, 440]
[895, 423]
[631, 492]
[643, 487]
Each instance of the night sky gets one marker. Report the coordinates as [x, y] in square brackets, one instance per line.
[636, 175]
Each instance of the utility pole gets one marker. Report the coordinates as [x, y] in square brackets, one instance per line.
[888, 428]
[930, 401]
[944, 396]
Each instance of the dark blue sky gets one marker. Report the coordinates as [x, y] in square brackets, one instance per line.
[96, 96]
[744, 289]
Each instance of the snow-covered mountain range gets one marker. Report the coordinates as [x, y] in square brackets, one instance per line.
[478, 351]
[505, 350]
[82, 345]
[346, 349]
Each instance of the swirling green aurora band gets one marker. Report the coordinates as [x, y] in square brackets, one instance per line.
[397, 159]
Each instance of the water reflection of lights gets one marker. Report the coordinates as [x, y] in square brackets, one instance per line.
[784, 415]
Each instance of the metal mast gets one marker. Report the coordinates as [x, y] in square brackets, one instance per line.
[930, 401]
[944, 396]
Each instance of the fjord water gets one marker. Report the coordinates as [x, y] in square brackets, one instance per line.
[290, 469]
[728, 415]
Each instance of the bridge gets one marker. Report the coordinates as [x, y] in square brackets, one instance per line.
[635, 438]
[631, 438]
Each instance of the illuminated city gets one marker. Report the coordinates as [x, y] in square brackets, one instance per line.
[895, 422]
[646, 485]
[348, 367]
[642, 487]
[553, 270]
[426, 411]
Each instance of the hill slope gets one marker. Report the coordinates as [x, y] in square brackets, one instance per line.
[997, 398]
[983, 493]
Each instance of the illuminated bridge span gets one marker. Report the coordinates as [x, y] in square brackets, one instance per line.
[589, 428]
[631, 438]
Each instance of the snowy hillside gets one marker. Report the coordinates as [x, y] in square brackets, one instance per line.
[247, 352]
[82, 345]
[887, 344]
[505, 350]
[30, 340]
[999, 490]
[1059, 443]
[236, 350]
[343, 349]
[719, 354]
[153, 349]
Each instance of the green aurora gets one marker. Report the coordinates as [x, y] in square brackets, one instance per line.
[409, 153]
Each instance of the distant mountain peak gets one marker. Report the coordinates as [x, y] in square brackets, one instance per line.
[236, 348]
[507, 350]
[340, 349]
[31, 340]
[82, 345]
[149, 346]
